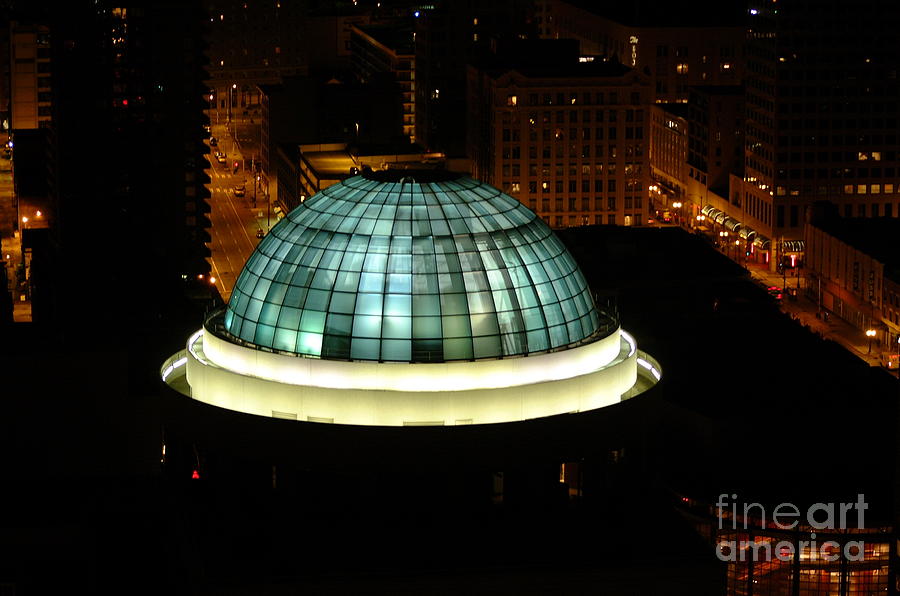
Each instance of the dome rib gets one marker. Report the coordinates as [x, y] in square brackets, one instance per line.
[412, 270]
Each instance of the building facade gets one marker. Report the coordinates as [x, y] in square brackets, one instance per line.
[570, 142]
[822, 110]
[852, 271]
[674, 54]
[388, 49]
[30, 76]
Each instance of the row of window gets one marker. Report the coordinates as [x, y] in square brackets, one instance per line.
[584, 204]
[574, 151]
[584, 134]
[611, 185]
[630, 169]
[546, 117]
[573, 98]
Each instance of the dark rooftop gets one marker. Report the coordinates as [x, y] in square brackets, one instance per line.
[874, 236]
[396, 36]
[546, 58]
[661, 13]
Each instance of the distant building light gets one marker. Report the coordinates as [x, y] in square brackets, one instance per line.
[754, 11]
[416, 14]
[585, 58]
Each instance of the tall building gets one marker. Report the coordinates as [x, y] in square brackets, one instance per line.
[253, 42]
[569, 139]
[30, 76]
[449, 35]
[126, 158]
[676, 45]
[388, 48]
[822, 107]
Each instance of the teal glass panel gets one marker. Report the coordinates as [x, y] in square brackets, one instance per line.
[487, 347]
[396, 350]
[285, 339]
[309, 343]
[312, 320]
[399, 305]
[337, 324]
[369, 304]
[342, 302]
[425, 327]
[456, 326]
[365, 349]
[538, 341]
[371, 282]
[397, 327]
[265, 334]
[484, 324]
[458, 349]
[366, 326]
[426, 305]
[317, 300]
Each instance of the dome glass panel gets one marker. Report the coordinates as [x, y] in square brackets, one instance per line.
[412, 267]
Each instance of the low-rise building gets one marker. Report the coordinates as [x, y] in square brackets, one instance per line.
[853, 270]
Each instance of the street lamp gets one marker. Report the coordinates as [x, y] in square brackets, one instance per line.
[870, 333]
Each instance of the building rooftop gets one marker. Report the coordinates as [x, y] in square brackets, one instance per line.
[412, 266]
[663, 14]
[395, 36]
[546, 58]
[874, 236]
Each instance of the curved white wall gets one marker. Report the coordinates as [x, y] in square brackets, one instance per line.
[388, 394]
[401, 376]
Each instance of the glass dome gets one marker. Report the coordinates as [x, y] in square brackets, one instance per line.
[412, 267]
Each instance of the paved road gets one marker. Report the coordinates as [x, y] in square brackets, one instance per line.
[234, 221]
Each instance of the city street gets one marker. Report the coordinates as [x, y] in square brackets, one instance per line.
[234, 219]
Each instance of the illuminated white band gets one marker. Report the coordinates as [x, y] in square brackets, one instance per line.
[435, 400]
[402, 376]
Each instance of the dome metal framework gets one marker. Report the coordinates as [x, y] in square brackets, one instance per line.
[412, 267]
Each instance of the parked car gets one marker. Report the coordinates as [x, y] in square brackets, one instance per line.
[220, 157]
[239, 190]
[260, 233]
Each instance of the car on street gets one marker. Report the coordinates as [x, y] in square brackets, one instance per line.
[775, 292]
[220, 157]
[260, 233]
[239, 190]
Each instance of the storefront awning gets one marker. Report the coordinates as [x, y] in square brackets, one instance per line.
[793, 246]
[706, 209]
[762, 242]
[731, 223]
[748, 234]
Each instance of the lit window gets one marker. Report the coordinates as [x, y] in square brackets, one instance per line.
[876, 189]
[726, 66]
[512, 100]
[681, 68]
